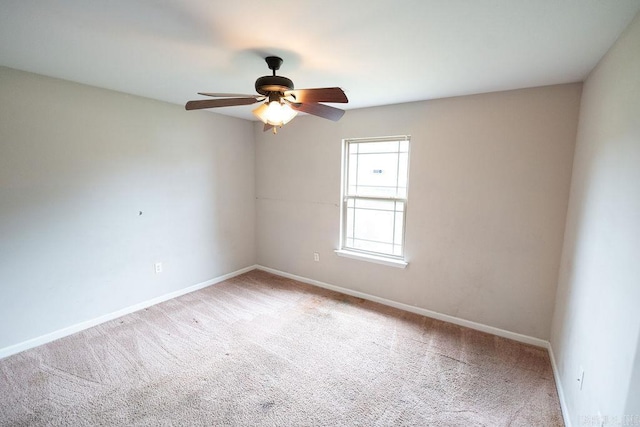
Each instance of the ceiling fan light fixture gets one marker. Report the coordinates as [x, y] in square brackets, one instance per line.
[279, 113]
[275, 113]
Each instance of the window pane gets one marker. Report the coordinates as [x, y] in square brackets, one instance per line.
[353, 168]
[403, 169]
[404, 146]
[378, 147]
[364, 245]
[349, 224]
[385, 205]
[374, 225]
[378, 170]
[399, 226]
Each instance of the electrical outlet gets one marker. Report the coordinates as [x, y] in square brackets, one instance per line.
[158, 267]
[316, 256]
[580, 378]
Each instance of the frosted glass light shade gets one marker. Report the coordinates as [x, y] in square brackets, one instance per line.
[274, 113]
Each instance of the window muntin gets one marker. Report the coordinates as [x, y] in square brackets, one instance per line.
[375, 183]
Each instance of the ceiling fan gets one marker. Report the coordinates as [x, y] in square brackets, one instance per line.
[282, 101]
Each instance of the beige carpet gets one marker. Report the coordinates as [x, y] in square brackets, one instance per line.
[262, 350]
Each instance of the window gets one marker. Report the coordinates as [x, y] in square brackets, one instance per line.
[374, 198]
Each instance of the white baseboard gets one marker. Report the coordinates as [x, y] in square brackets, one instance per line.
[43, 339]
[413, 309]
[556, 375]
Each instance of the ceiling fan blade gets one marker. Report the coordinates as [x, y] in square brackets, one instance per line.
[229, 95]
[320, 110]
[324, 94]
[214, 103]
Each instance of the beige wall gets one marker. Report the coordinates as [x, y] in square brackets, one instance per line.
[488, 191]
[489, 184]
[77, 164]
[597, 319]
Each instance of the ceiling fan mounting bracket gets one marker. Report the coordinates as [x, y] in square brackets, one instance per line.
[274, 63]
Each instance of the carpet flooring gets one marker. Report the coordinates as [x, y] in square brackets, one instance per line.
[262, 350]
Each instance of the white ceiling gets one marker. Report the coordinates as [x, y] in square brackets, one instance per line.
[379, 51]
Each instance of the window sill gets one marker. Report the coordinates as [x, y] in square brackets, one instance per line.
[372, 258]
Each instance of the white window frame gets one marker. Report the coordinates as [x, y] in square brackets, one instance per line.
[376, 257]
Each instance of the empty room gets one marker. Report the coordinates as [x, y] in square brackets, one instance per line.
[331, 213]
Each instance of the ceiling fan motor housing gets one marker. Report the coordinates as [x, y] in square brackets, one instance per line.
[267, 84]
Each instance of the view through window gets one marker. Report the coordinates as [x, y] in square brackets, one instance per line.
[375, 180]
